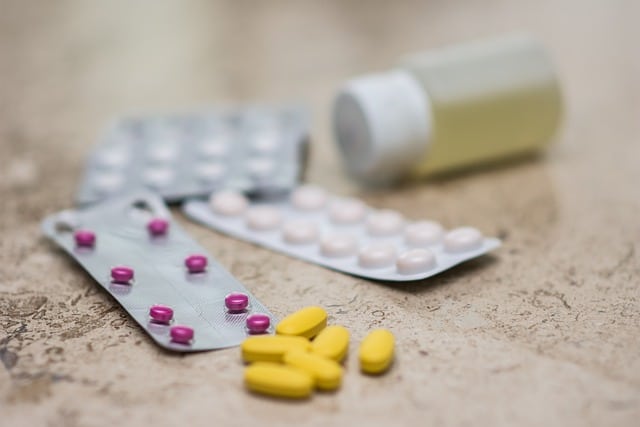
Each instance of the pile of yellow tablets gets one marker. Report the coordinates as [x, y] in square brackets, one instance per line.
[289, 365]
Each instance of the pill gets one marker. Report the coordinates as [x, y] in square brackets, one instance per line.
[271, 348]
[266, 143]
[108, 182]
[161, 153]
[157, 177]
[236, 302]
[260, 167]
[161, 313]
[377, 255]
[158, 226]
[462, 239]
[307, 322]
[85, 238]
[258, 323]
[338, 245]
[385, 223]
[213, 149]
[196, 263]
[228, 203]
[181, 334]
[210, 172]
[326, 373]
[376, 351]
[347, 211]
[263, 218]
[309, 198]
[423, 233]
[332, 342]
[300, 232]
[122, 274]
[112, 158]
[278, 380]
[415, 261]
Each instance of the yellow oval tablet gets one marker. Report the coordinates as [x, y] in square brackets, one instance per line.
[332, 342]
[271, 348]
[376, 351]
[278, 380]
[326, 373]
[307, 322]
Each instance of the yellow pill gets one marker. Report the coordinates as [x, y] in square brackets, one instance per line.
[326, 373]
[278, 380]
[307, 322]
[376, 351]
[332, 342]
[271, 348]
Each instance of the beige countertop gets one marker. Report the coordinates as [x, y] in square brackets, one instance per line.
[543, 332]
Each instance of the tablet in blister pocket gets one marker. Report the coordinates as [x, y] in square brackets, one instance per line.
[342, 233]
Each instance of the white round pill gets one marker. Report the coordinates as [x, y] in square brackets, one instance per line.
[347, 211]
[415, 261]
[385, 223]
[462, 239]
[228, 203]
[266, 143]
[300, 232]
[112, 158]
[210, 172]
[260, 167]
[377, 255]
[338, 245]
[309, 198]
[263, 218]
[423, 233]
[108, 182]
[157, 177]
[213, 149]
[161, 153]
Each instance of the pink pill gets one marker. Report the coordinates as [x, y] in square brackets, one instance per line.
[181, 334]
[161, 313]
[85, 238]
[258, 323]
[196, 263]
[122, 274]
[158, 226]
[236, 301]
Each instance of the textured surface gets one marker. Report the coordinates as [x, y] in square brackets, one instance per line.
[544, 332]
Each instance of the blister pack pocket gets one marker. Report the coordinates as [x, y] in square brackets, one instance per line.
[255, 150]
[171, 287]
[342, 233]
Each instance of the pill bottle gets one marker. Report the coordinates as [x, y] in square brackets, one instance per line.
[448, 109]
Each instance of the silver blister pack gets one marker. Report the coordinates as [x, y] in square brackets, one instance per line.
[255, 150]
[159, 274]
[341, 233]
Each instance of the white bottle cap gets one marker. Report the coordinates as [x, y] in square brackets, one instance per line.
[382, 124]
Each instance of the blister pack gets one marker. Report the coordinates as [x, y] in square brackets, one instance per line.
[343, 234]
[255, 150]
[178, 293]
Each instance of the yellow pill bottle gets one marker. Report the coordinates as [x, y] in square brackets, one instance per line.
[448, 109]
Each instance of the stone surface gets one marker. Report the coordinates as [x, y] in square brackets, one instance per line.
[544, 332]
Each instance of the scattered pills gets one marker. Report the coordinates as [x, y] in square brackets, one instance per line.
[181, 334]
[338, 245]
[161, 313]
[237, 302]
[263, 218]
[332, 342]
[196, 263]
[385, 223]
[326, 373]
[462, 239]
[307, 322]
[347, 211]
[158, 226]
[377, 255]
[85, 238]
[258, 323]
[278, 380]
[228, 203]
[376, 351]
[416, 261]
[271, 348]
[122, 274]
[309, 198]
[423, 233]
[300, 232]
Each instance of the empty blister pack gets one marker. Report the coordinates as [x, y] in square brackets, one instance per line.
[179, 294]
[255, 150]
[342, 233]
